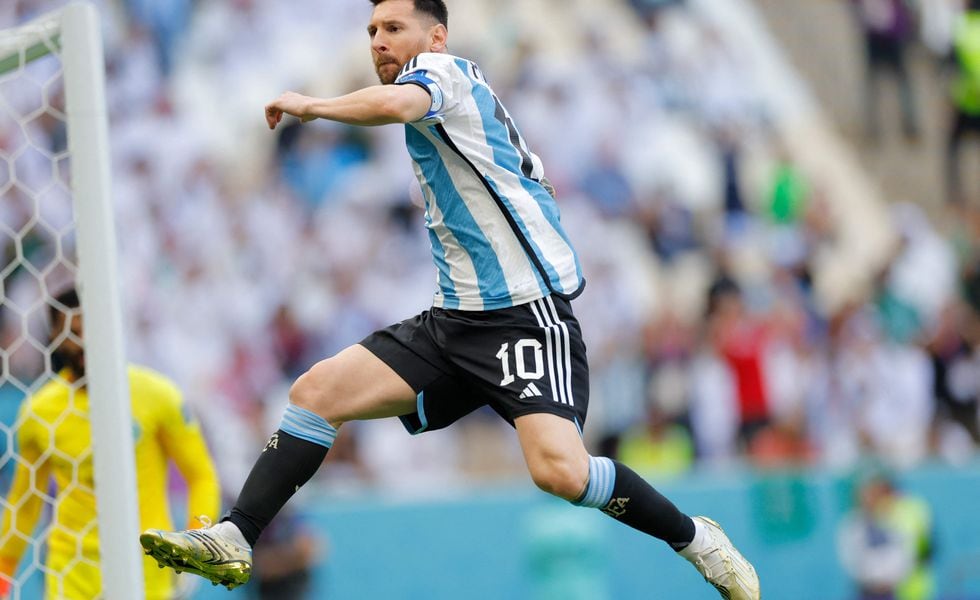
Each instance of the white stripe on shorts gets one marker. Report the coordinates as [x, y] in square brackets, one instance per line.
[549, 347]
[558, 349]
[568, 351]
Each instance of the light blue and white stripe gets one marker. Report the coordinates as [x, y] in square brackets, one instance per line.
[455, 224]
[531, 200]
[490, 219]
[602, 480]
[306, 425]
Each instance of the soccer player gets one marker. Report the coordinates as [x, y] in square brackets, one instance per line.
[55, 442]
[501, 331]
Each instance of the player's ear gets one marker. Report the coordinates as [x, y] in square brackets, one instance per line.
[438, 36]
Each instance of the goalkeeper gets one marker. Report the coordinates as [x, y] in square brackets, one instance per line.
[55, 443]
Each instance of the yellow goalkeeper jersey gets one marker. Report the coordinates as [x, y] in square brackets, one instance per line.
[55, 444]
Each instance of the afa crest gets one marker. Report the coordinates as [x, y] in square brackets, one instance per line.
[616, 507]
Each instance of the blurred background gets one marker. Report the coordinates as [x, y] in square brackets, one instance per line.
[777, 208]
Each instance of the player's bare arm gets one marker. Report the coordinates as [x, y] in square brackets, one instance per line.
[375, 105]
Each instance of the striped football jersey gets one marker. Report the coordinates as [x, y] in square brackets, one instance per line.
[496, 237]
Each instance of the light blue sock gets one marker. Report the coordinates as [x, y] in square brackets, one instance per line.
[307, 425]
[602, 479]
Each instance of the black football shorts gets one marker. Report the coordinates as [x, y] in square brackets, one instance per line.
[519, 360]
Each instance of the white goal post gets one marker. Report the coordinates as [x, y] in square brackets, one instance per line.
[73, 35]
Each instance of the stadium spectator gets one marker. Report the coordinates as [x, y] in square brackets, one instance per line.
[55, 445]
[660, 446]
[886, 543]
[938, 20]
[167, 21]
[965, 97]
[888, 27]
[742, 342]
[714, 405]
[789, 192]
[285, 558]
[956, 376]
[781, 444]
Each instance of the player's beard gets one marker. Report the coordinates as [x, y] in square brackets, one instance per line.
[73, 361]
[393, 67]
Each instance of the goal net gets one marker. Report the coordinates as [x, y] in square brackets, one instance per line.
[56, 232]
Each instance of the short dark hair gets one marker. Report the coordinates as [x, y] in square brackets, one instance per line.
[67, 299]
[434, 8]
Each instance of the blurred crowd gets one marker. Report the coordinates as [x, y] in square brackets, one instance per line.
[245, 256]
[894, 33]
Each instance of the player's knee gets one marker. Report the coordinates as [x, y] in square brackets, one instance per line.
[302, 393]
[313, 390]
[565, 478]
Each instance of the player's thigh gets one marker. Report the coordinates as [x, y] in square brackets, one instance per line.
[555, 454]
[441, 403]
[353, 385]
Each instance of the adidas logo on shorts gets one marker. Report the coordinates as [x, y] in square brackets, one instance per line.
[531, 391]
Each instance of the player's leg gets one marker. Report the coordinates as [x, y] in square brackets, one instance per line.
[353, 385]
[559, 464]
[376, 378]
[530, 363]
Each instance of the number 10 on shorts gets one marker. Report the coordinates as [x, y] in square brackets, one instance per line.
[533, 371]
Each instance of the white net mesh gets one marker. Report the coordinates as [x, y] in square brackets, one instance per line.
[37, 262]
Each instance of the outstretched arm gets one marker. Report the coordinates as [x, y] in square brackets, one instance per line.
[375, 105]
[186, 447]
[182, 441]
